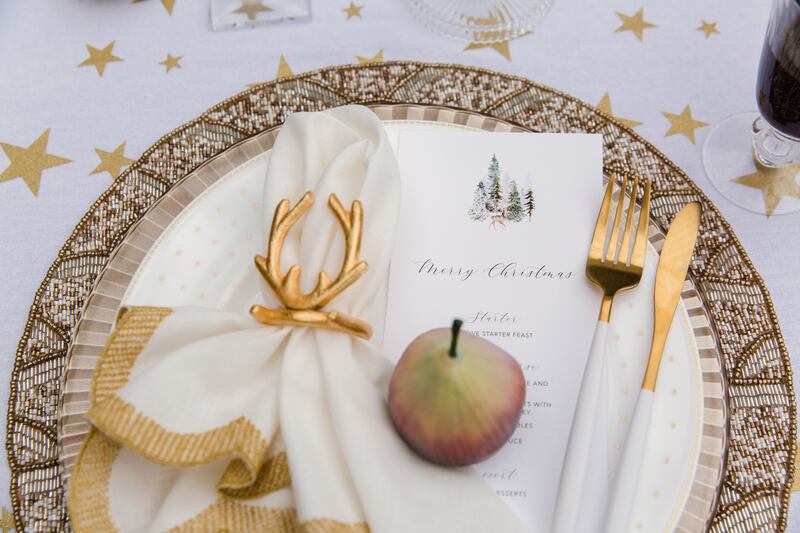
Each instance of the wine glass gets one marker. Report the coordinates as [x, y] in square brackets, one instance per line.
[481, 21]
[746, 143]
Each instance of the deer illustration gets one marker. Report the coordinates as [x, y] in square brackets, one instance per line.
[500, 217]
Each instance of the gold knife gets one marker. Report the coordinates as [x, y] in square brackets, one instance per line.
[670, 276]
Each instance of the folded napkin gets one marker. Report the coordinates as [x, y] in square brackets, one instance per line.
[206, 420]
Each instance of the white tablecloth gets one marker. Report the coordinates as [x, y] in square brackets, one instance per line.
[576, 50]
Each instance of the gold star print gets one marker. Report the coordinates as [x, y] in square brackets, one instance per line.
[775, 183]
[28, 163]
[634, 23]
[605, 106]
[501, 47]
[353, 10]
[708, 28]
[683, 123]
[171, 62]
[284, 71]
[251, 8]
[168, 4]
[112, 162]
[7, 521]
[100, 58]
[377, 58]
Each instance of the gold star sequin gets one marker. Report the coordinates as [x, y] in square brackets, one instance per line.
[251, 8]
[634, 23]
[169, 5]
[684, 123]
[99, 58]
[28, 163]
[112, 162]
[605, 106]
[709, 28]
[377, 58]
[353, 10]
[171, 62]
[774, 183]
[7, 521]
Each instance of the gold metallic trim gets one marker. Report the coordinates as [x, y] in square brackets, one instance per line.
[91, 511]
[126, 425]
[324, 525]
[231, 516]
[88, 496]
[237, 482]
[133, 331]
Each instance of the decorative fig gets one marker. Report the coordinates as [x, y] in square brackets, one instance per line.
[455, 399]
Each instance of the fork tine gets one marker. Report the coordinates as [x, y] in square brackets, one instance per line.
[611, 255]
[599, 238]
[626, 238]
[640, 244]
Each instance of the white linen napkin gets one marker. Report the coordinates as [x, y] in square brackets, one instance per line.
[207, 420]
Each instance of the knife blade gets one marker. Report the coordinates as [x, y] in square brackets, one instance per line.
[672, 268]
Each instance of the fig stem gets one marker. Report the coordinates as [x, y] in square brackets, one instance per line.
[454, 340]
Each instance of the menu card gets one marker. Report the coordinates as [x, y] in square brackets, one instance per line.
[494, 229]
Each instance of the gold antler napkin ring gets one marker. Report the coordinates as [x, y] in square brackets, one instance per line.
[304, 309]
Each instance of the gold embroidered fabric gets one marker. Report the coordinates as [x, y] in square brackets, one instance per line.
[274, 475]
[90, 512]
[134, 329]
[761, 401]
[121, 421]
[250, 475]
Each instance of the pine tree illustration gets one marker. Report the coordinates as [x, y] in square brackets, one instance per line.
[478, 210]
[495, 187]
[515, 210]
[530, 203]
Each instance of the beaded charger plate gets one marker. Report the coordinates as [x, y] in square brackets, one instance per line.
[753, 489]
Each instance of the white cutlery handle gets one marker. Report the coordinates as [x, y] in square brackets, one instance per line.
[626, 479]
[579, 446]
[594, 494]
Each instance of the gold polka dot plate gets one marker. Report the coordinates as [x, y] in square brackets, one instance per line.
[188, 210]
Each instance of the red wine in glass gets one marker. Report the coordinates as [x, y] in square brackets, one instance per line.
[767, 142]
[777, 142]
[779, 86]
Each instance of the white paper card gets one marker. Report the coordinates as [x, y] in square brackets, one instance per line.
[494, 229]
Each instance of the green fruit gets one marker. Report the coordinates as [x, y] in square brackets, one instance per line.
[455, 399]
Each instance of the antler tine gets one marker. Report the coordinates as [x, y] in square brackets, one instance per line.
[282, 222]
[287, 286]
[351, 223]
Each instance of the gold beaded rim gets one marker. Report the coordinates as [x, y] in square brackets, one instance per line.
[756, 482]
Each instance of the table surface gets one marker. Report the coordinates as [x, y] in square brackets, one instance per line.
[51, 103]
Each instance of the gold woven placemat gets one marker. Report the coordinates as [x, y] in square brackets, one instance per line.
[760, 456]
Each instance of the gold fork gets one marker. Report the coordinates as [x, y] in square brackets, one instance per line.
[612, 267]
